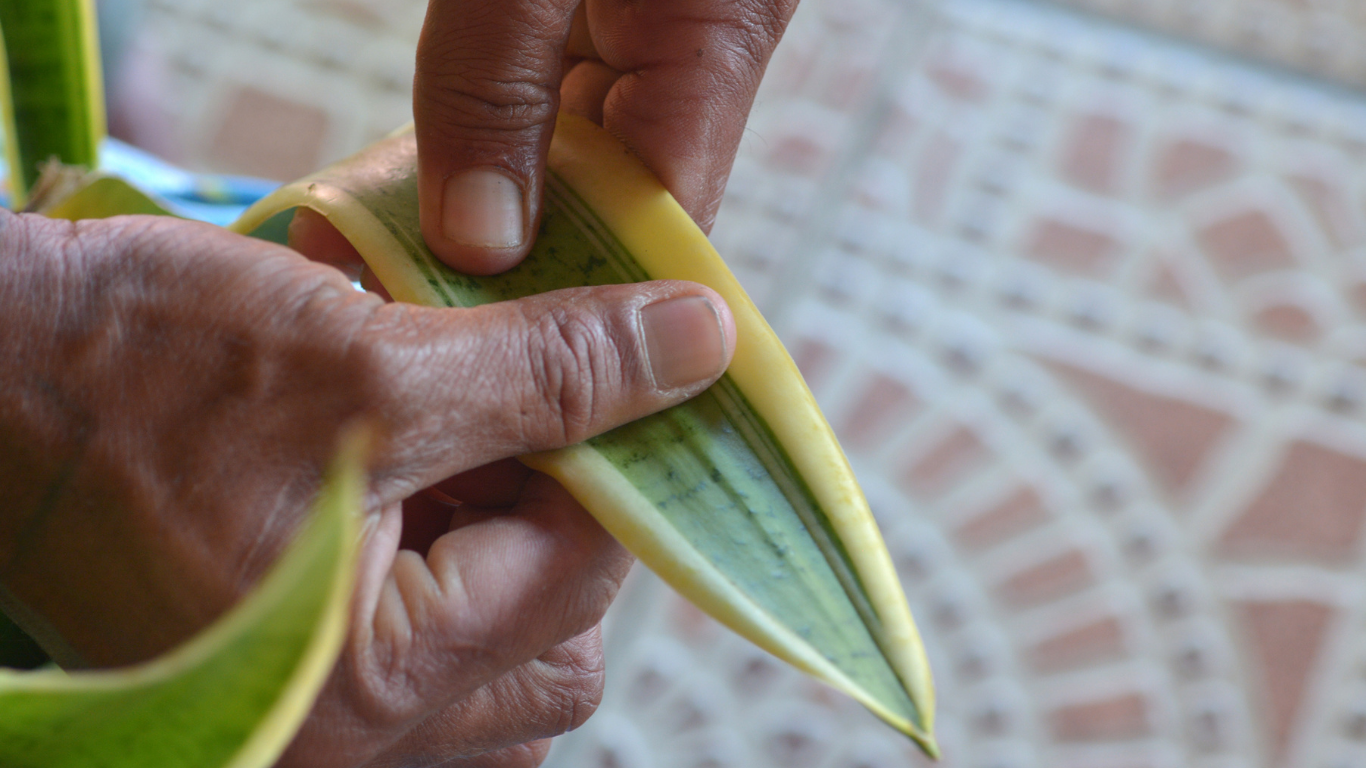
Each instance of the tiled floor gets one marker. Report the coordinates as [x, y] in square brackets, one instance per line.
[1324, 38]
[1086, 307]
[1086, 313]
[271, 88]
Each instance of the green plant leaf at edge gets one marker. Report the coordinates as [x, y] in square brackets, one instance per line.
[55, 89]
[8, 126]
[231, 697]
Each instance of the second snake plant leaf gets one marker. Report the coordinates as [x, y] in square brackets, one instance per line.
[231, 697]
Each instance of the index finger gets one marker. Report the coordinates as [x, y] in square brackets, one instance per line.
[485, 95]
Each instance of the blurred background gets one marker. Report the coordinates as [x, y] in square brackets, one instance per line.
[1081, 285]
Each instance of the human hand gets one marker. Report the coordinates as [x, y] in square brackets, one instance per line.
[672, 79]
[171, 395]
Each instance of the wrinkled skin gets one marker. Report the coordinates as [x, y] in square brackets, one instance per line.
[170, 394]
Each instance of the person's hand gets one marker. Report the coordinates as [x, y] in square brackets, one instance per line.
[672, 79]
[171, 393]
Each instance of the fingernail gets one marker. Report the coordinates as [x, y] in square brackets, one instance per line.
[483, 207]
[684, 340]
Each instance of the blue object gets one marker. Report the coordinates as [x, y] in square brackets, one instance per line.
[206, 197]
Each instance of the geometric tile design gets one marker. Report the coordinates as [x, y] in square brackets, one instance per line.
[943, 462]
[1244, 243]
[883, 404]
[268, 87]
[1188, 165]
[1325, 38]
[1000, 520]
[1285, 642]
[262, 135]
[1170, 434]
[1119, 718]
[1311, 510]
[1085, 306]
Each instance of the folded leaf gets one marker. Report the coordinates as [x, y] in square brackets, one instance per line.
[231, 697]
[741, 498]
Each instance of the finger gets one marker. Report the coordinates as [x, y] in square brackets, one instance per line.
[488, 598]
[313, 236]
[431, 514]
[472, 386]
[426, 518]
[479, 616]
[534, 702]
[585, 88]
[484, 101]
[369, 282]
[580, 43]
[342, 727]
[692, 67]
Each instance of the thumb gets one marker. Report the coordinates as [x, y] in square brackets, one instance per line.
[471, 386]
[485, 96]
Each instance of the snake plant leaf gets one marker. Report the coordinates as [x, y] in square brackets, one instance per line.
[233, 696]
[56, 89]
[740, 498]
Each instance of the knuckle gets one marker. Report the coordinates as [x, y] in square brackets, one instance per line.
[381, 699]
[385, 685]
[478, 81]
[752, 30]
[573, 689]
[748, 42]
[769, 19]
[492, 100]
[573, 367]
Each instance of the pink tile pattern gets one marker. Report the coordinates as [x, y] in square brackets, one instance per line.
[272, 87]
[1323, 38]
[1086, 306]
